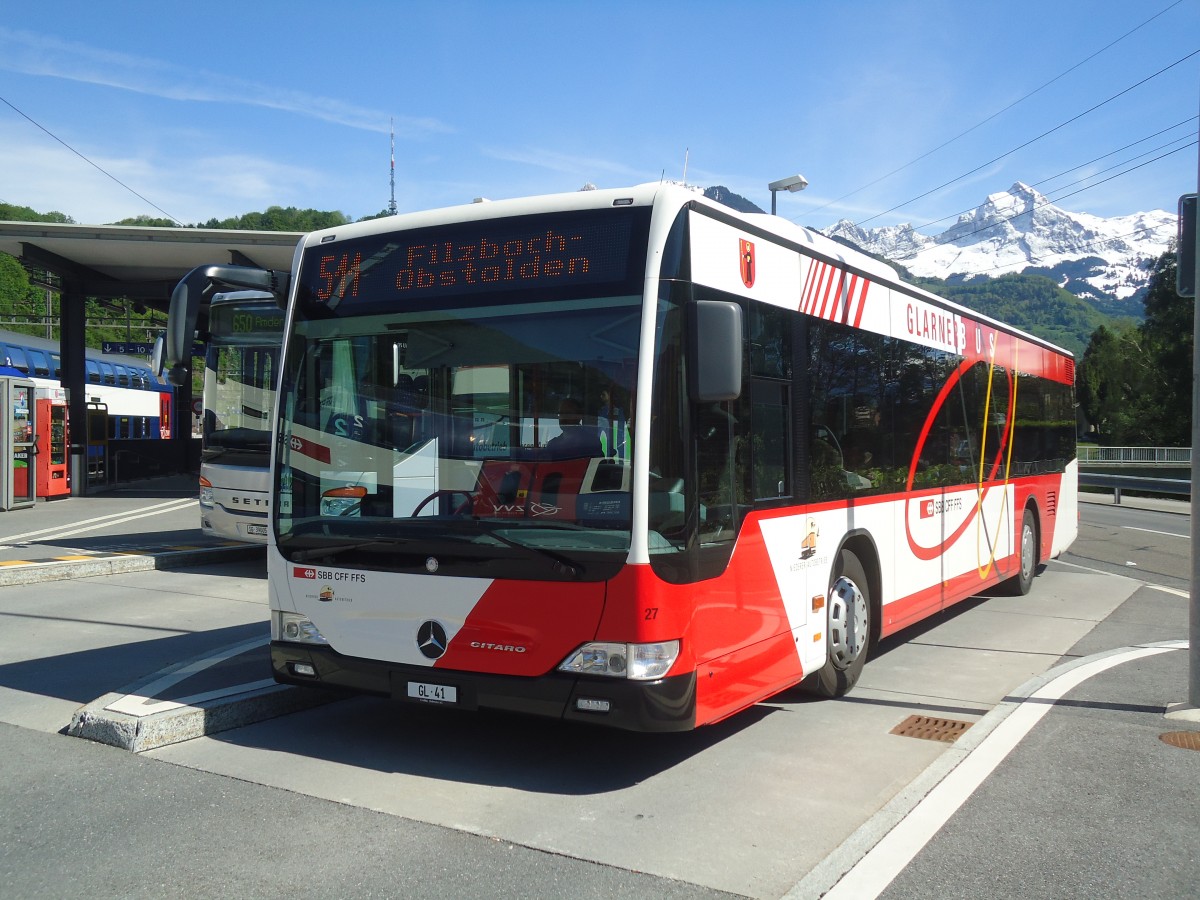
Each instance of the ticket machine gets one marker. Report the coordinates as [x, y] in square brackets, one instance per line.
[18, 447]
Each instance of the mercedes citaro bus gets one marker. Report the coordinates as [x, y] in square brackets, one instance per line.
[629, 457]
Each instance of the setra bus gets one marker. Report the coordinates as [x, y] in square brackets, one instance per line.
[241, 367]
[241, 331]
[632, 458]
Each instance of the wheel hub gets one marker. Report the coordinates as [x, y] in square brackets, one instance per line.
[848, 622]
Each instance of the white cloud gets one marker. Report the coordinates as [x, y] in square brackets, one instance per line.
[192, 190]
[41, 55]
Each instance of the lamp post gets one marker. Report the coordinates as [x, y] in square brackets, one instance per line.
[792, 183]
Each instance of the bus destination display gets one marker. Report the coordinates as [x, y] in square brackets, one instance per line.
[478, 257]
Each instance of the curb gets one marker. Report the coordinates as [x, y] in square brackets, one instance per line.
[104, 722]
[95, 722]
[65, 570]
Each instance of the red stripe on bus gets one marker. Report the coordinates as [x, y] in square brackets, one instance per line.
[862, 303]
[808, 282]
[847, 299]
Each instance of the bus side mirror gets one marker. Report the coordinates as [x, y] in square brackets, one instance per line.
[715, 361]
[158, 356]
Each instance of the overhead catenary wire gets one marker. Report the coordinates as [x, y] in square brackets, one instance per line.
[1049, 203]
[1035, 184]
[1032, 140]
[994, 115]
[1121, 149]
[94, 165]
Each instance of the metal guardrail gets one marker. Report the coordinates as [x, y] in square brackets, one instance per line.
[1134, 456]
[1119, 483]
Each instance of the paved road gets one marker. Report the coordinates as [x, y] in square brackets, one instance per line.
[364, 797]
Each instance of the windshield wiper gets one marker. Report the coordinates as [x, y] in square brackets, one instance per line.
[563, 565]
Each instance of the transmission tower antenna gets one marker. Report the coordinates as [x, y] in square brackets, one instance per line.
[392, 202]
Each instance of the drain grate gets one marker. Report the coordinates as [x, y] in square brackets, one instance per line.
[931, 729]
[1188, 740]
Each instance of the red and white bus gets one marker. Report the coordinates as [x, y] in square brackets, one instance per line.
[629, 457]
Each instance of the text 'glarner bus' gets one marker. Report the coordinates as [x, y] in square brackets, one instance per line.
[629, 457]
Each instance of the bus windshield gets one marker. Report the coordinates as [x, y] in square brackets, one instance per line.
[240, 370]
[469, 435]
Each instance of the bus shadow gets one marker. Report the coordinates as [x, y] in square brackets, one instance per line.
[802, 693]
[524, 753]
[86, 675]
[489, 749]
[132, 541]
[937, 619]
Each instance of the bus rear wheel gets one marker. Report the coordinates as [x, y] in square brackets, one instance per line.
[1027, 557]
[848, 627]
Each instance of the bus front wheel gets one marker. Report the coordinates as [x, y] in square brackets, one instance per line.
[848, 628]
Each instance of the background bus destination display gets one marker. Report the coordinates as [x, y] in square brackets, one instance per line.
[491, 256]
[234, 320]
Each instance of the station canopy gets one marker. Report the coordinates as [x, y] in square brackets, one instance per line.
[140, 263]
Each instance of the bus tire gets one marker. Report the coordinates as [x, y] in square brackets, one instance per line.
[848, 624]
[1027, 557]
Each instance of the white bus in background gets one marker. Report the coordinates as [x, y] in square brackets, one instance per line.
[240, 374]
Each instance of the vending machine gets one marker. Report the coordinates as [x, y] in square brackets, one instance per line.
[53, 478]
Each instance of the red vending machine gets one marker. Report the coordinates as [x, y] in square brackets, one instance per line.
[53, 479]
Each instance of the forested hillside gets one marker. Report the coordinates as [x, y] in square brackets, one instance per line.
[1032, 303]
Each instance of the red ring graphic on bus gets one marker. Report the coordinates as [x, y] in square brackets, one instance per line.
[928, 553]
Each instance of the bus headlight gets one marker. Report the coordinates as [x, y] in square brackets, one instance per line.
[638, 662]
[206, 492]
[295, 627]
[343, 501]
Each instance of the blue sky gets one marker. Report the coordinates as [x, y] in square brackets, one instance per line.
[213, 109]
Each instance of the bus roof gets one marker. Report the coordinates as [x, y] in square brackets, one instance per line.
[667, 195]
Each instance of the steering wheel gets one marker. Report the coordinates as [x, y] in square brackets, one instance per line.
[462, 509]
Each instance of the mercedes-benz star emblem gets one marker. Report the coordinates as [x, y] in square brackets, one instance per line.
[431, 639]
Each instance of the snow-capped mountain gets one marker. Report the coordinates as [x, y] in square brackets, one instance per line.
[1094, 258]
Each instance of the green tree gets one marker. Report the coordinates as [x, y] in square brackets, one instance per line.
[278, 218]
[1104, 382]
[1134, 383]
[18, 298]
[1168, 335]
[1032, 303]
[148, 222]
[10, 213]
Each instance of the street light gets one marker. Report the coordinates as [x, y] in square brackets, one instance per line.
[793, 184]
